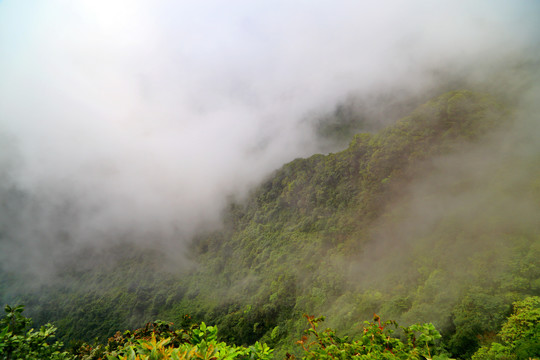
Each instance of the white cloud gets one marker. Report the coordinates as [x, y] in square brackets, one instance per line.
[151, 110]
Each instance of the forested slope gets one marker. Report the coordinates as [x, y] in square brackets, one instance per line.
[431, 219]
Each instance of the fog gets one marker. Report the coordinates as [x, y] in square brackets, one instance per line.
[138, 120]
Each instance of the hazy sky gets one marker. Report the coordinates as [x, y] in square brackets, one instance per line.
[149, 113]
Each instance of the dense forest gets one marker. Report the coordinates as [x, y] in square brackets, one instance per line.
[412, 222]
[161, 340]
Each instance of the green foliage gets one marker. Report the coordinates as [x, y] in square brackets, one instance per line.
[478, 314]
[294, 246]
[376, 342]
[159, 341]
[14, 321]
[519, 338]
[18, 343]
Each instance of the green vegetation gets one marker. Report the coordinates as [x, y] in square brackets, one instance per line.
[376, 342]
[410, 222]
[519, 337]
[156, 341]
[17, 342]
[159, 340]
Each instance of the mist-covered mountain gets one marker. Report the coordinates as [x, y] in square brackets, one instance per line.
[244, 164]
[433, 218]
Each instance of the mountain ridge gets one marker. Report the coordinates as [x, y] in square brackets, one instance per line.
[311, 238]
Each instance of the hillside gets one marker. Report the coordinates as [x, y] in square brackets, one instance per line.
[428, 220]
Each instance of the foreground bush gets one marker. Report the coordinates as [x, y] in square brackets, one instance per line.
[376, 342]
[519, 337]
[19, 342]
[159, 340]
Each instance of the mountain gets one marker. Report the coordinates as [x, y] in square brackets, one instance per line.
[430, 219]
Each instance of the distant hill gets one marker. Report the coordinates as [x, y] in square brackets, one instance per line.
[426, 220]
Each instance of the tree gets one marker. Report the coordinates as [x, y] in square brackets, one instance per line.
[519, 336]
[16, 342]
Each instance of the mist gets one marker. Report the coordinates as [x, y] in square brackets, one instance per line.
[460, 224]
[138, 121]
